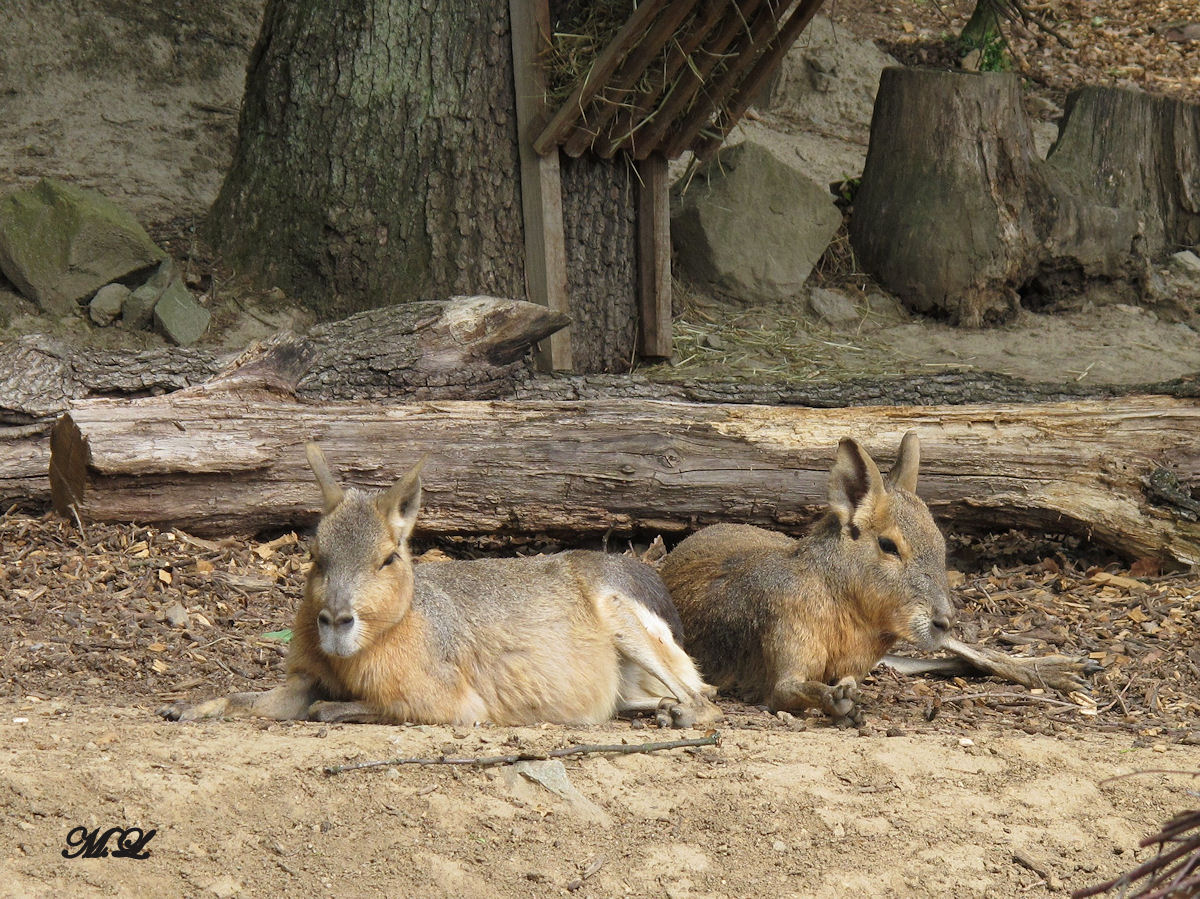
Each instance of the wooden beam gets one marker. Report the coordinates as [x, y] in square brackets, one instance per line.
[753, 84]
[630, 71]
[603, 67]
[626, 126]
[654, 258]
[693, 123]
[541, 182]
[692, 81]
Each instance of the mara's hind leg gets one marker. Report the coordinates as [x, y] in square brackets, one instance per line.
[655, 668]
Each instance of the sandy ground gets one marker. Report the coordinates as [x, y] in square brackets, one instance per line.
[245, 808]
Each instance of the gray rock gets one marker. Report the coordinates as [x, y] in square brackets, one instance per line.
[179, 317]
[138, 311]
[176, 615]
[551, 775]
[832, 306]
[105, 307]
[161, 278]
[60, 244]
[1187, 261]
[752, 226]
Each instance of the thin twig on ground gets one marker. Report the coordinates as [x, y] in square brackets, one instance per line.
[488, 761]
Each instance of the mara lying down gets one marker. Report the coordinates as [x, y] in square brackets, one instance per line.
[570, 638]
[797, 624]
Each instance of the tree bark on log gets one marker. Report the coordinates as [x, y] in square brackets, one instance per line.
[587, 468]
[957, 213]
[461, 348]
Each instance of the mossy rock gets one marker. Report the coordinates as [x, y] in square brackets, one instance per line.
[59, 244]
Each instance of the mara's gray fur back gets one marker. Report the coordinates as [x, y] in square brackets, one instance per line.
[524, 595]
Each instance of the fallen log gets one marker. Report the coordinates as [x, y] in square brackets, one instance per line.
[464, 348]
[233, 462]
[24, 459]
[461, 348]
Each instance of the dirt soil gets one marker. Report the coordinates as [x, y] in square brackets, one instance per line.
[952, 788]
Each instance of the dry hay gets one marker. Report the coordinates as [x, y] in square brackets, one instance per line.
[779, 342]
[583, 30]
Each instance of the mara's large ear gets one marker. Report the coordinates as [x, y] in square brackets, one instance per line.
[401, 502]
[904, 472]
[331, 492]
[855, 485]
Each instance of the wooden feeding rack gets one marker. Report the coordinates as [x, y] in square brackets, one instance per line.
[675, 75]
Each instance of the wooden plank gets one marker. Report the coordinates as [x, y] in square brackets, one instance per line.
[757, 79]
[603, 67]
[222, 462]
[541, 182]
[692, 81]
[625, 128]
[654, 258]
[716, 95]
[630, 71]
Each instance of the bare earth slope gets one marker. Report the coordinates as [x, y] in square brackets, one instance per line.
[246, 808]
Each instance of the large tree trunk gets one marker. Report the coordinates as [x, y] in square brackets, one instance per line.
[586, 468]
[376, 153]
[957, 213]
[599, 217]
[377, 159]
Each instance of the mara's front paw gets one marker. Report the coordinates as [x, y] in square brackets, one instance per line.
[193, 711]
[841, 703]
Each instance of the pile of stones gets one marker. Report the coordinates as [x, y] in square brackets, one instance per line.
[73, 251]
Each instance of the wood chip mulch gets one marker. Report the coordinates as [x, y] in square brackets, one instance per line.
[137, 616]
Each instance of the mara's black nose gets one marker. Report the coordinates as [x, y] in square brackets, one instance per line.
[942, 623]
[327, 618]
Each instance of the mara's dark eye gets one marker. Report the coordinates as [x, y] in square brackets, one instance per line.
[888, 545]
[390, 560]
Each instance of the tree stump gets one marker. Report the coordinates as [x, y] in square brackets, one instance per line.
[957, 214]
[1132, 151]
